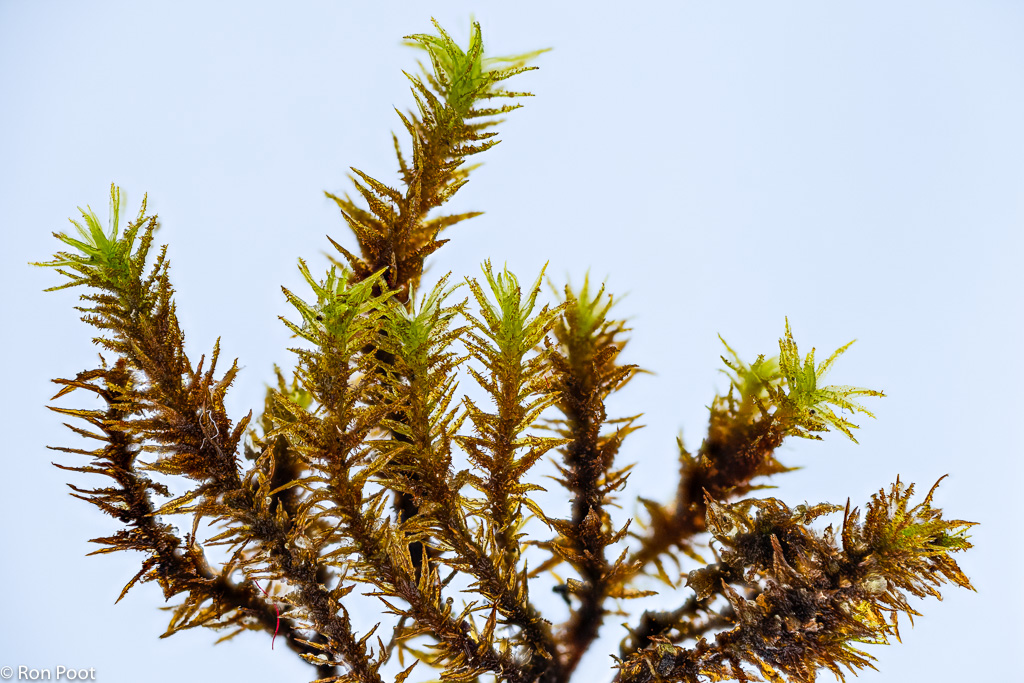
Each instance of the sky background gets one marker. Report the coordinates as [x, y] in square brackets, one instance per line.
[857, 167]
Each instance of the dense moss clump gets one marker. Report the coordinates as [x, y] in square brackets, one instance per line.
[351, 474]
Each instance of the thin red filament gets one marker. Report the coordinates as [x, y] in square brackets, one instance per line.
[277, 613]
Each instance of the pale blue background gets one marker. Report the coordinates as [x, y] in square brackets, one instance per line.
[858, 167]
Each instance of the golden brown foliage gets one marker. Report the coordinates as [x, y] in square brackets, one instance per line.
[352, 474]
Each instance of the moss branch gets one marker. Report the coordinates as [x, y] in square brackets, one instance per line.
[177, 567]
[585, 373]
[423, 384]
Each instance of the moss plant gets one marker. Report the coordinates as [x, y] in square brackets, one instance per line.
[369, 468]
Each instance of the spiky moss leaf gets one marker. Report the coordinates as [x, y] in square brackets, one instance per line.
[395, 234]
[816, 600]
[908, 547]
[422, 385]
[464, 76]
[507, 330]
[506, 321]
[792, 385]
[806, 400]
[754, 380]
[420, 334]
[585, 313]
[343, 313]
[104, 260]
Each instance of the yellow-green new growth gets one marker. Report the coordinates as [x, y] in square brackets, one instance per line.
[397, 230]
[507, 330]
[103, 260]
[588, 314]
[422, 373]
[465, 76]
[340, 302]
[352, 475]
[807, 403]
[507, 322]
[752, 381]
[791, 385]
[421, 331]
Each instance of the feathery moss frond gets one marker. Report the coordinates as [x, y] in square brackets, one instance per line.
[421, 387]
[507, 330]
[397, 233]
[176, 410]
[584, 372]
